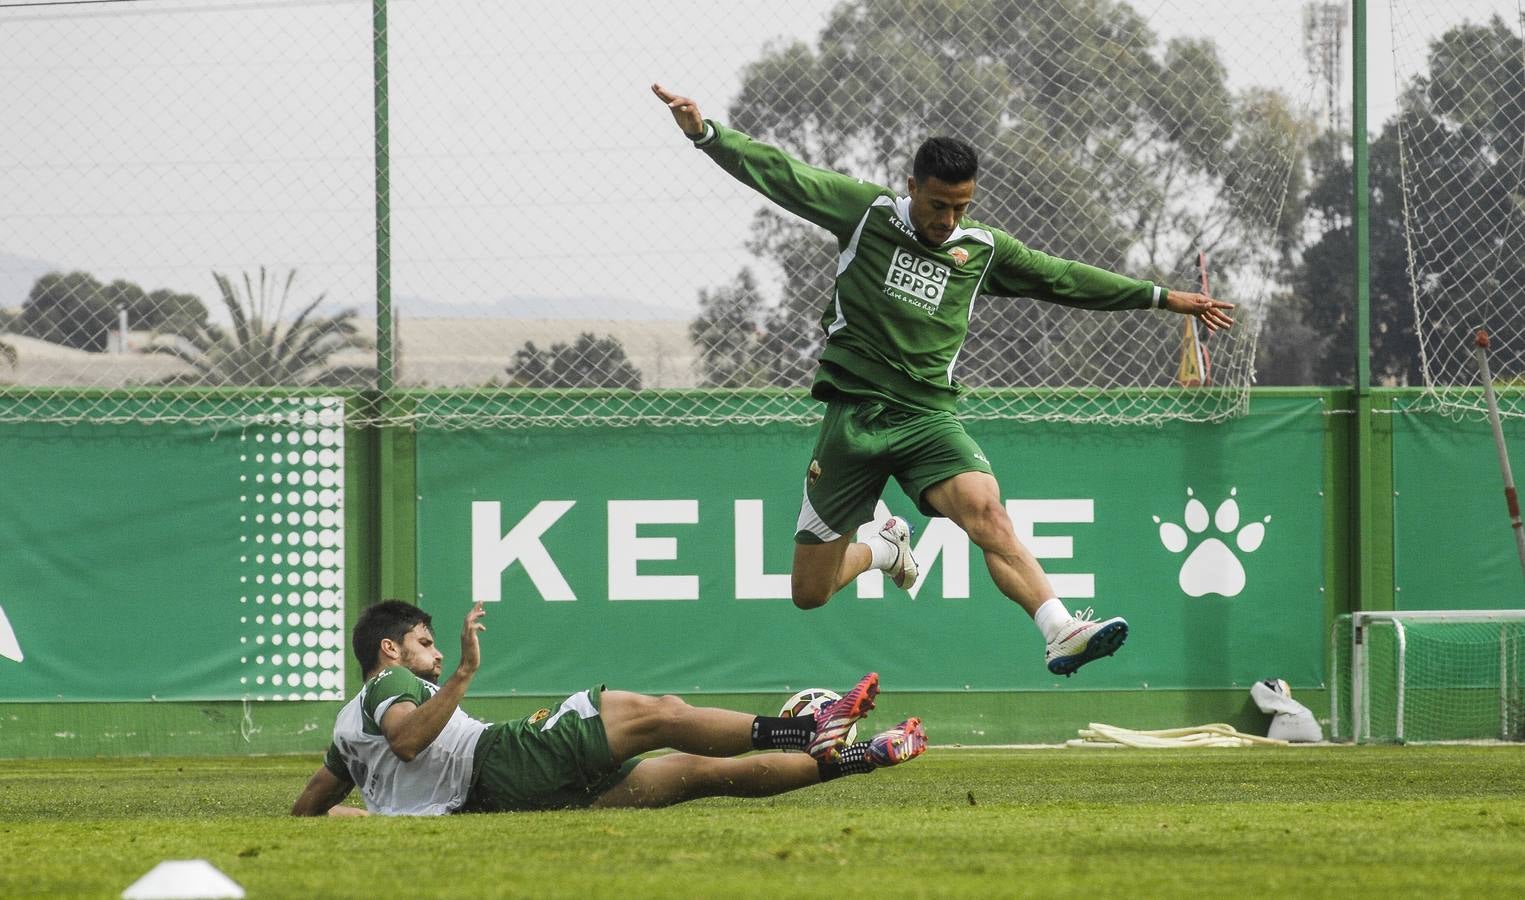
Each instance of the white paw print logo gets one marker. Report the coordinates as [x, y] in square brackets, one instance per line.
[1212, 568]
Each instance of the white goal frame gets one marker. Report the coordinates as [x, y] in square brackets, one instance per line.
[1360, 686]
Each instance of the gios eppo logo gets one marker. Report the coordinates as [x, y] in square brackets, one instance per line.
[1212, 566]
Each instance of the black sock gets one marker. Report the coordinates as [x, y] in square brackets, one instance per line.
[853, 760]
[782, 733]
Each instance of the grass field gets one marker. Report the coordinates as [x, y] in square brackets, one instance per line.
[1303, 822]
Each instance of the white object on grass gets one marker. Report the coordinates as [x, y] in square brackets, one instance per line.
[1290, 720]
[1214, 735]
[181, 879]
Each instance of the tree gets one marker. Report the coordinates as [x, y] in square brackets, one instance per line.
[7, 349]
[744, 341]
[159, 310]
[1097, 144]
[77, 310]
[68, 309]
[1301, 333]
[1463, 127]
[586, 362]
[261, 347]
[1290, 350]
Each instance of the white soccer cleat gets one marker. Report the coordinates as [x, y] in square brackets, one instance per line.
[1083, 640]
[903, 570]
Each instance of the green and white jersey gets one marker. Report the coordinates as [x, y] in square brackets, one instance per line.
[433, 783]
[900, 312]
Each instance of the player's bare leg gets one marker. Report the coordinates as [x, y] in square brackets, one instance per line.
[973, 501]
[821, 570]
[638, 723]
[665, 780]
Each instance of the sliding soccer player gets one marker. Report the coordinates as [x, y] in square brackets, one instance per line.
[407, 744]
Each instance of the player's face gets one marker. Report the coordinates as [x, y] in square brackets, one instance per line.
[937, 207]
[419, 655]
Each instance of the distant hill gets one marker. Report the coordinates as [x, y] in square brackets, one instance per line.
[18, 274]
[614, 309]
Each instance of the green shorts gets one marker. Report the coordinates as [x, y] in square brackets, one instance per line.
[554, 759]
[862, 444]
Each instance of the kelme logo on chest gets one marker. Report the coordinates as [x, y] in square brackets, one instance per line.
[917, 281]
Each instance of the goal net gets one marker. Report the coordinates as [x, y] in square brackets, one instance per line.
[1457, 227]
[201, 196]
[1428, 676]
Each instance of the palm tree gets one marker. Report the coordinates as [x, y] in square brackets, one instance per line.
[260, 348]
[7, 349]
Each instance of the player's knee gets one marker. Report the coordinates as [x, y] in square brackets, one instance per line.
[669, 711]
[808, 596]
[989, 526]
[807, 589]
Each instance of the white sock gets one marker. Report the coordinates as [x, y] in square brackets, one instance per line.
[1051, 618]
[884, 552]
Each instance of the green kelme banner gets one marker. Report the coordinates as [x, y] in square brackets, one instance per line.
[174, 561]
[1453, 547]
[658, 559]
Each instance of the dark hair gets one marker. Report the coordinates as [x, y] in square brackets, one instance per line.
[387, 619]
[949, 160]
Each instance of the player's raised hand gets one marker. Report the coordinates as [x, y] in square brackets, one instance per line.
[471, 650]
[684, 111]
[1212, 313]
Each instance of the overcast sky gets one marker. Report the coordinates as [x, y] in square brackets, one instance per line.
[532, 172]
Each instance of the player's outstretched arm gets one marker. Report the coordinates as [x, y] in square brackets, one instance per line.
[410, 728]
[829, 199]
[684, 111]
[1213, 314]
[322, 795]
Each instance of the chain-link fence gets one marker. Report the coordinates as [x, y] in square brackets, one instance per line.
[207, 194]
[1449, 172]
[190, 205]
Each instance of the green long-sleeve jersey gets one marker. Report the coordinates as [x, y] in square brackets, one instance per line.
[900, 311]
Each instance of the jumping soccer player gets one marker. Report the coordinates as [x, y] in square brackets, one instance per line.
[413, 751]
[908, 271]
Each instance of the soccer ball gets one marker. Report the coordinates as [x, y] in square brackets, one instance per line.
[808, 701]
